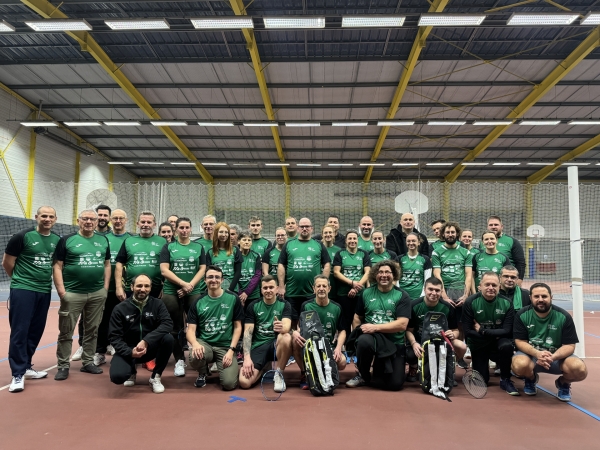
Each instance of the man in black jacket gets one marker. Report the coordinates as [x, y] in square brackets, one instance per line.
[396, 240]
[140, 331]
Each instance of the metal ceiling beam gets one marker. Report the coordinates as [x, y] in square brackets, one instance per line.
[589, 44]
[422, 33]
[542, 174]
[88, 44]
[240, 10]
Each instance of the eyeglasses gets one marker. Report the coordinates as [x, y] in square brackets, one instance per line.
[213, 277]
[385, 272]
[87, 219]
[304, 226]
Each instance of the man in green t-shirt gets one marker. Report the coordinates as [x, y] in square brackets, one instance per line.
[545, 337]
[81, 272]
[271, 256]
[208, 227]
[104, 212]
[488, 322]
[214, 329]
[381, 317]
[138, 255]
[366, 230]
[266, 336]
[291, 227]
[436, 226]
[27, 261]
[259, 244]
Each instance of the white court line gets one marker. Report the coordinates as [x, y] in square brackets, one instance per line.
[45, 370]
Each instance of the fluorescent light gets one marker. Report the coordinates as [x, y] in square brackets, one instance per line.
[59, 25]
[584, 122]
[246, 164]
[183, 163]
[591, 18]
[493, 122]
[120, 163]
[373, 21]
[137, 24]
[526, 19]
[349, 124]
[576, 164]
[372, 164]
[5, 26]
[83, 123]
[303, 124]
[215, 124]
[169, 123]
[540, 164]
[39, 123]
[222, 22]
[446, 122]
[438, 164]
[473, 164]
[276, 164]
[117, 123]
[307, 165]
[383, 123]
[260, 124]
[539, 122]
[213, 164]
[506, 164]
[340, 165]
[294, 22]
[405, 164]
[450, 20]
[151, 163]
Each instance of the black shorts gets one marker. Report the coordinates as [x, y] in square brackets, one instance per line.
[263, 354]
[296, 304]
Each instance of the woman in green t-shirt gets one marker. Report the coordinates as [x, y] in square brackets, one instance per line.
[328, 239]
[182, 264]
[166, 230]
[227, 257]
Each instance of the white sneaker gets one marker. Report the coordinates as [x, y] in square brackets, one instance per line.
[131, 381]
[99, 359]
[492, 364]
[110, 350]
[279, 385]
[214, 368]
[32, 374]
[180, 368]
[17, 384]
[77, 355]
[157, 386]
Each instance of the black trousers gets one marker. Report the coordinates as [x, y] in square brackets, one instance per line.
[348, 309]
[500, 351]
[111, 302]
[177, 307]
[365, 354]
[122, 367]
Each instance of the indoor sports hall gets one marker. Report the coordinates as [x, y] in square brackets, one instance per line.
[443, 109]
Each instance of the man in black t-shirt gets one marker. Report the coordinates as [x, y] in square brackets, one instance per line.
[545, 337]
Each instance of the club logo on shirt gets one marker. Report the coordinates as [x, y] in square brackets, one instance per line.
[260, 313]
[191, 259]
[98, 254]
[134, 244]
[78, 245]
[308, 258]
[479, 311]
[205, 308]
[224, 306]
[530, 326]
[552, 327]
[500, 311]
[152, 253]
[97, 244]
[372, 300]
[33, 244]
[549, 340]
[149, 314]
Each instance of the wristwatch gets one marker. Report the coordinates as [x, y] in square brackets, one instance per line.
[233, 349]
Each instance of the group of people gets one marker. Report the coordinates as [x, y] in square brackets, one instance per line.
[232, 299]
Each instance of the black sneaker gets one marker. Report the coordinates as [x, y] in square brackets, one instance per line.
[91, 368]
[200, 381]
[61, 375]
[412, 375]
[462, 364]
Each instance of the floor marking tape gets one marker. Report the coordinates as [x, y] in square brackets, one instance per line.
[583, 410]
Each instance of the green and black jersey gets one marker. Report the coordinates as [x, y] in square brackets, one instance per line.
[251, 264]
[418, 310]
[115, 241]
[485, 262]
[365, 245]
[413, 273]
[303, 260]
[331, 317]
[378, 257]
[141, 255]
[83, 262]
[229, 264]
[384, 307]
[352, 266]
[333, 281]
[205, 243]
[494, 317]
[260, 245]
[33, 266]
[271, 257]
[262, 316]
[214, 318]
[452, 262]
[185, 262]
[512, 248]
[548, 333]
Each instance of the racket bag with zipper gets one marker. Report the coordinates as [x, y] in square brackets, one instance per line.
[320, 368]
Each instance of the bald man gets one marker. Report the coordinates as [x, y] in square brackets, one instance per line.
[366, 229]
[396, 240]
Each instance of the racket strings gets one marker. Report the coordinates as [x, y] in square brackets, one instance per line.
[475, 384]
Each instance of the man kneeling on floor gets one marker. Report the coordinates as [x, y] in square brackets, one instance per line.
[267, 327]
[214, 329]
[140, 316]
[330, 315]
[545, 337]
[383, 311]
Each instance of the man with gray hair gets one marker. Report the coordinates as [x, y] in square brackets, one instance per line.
[234, 232]
[208, 226]
[81, 271]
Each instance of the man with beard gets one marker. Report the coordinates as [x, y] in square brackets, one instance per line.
[364, 238]
[104, 213]
[510, 290]
[396, 240]
[545, 337]
[508, 245]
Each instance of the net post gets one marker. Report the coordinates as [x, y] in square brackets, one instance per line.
[576, 263]
[530, 260]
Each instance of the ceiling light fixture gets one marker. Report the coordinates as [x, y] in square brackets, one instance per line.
[576, 164]
[260, 124]
[340, 165]
[450, 123]
[245, 164]
[375, 21]
[493, 123]
[349, 124]
[183, 163]
[532, 123]
[169, 123]
[303, 124]
[450, 20]
[59, 25]
[506, 164]
[473, 164]
[137, 24]
[121, 123]
[83, 123]
[38, 123]
[294, 22]
[213, 164]
[540, 164]
[215, 124]
[372, 164]
[392, 123]
[591, 18]
[405, 164]
[584, 122]
[307, 165]
[526, 19]
[5, 26]
[216, 23]
[438, 164]
[151, 163]
[277, 164]
[120, 163]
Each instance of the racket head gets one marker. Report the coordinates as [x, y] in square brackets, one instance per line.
[475, 384]
[267, 386]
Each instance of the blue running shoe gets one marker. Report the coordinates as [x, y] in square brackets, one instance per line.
[564, 390]
[507, 385]
[291, 361]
